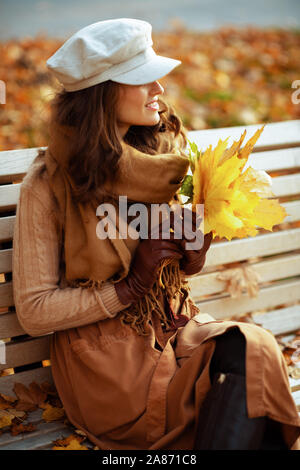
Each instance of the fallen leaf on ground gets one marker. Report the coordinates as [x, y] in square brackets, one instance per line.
[71, 442]
[29, 398]
[52, 413]
[5, 420]
[67, 440]
[21, 428]
[8, 398]
[4, 404]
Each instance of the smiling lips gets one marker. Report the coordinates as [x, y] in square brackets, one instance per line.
[153, 105]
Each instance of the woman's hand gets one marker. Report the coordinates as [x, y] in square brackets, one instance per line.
[143, 270]
[193, 260]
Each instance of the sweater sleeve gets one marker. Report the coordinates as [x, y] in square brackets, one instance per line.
[41, 305]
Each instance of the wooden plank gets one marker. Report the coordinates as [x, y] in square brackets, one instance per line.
[287, 185]
[15, 163]
[272, 160]
[38, 375]
[276, 268]
[275, 135]
[10, 326]
[7, 227]
[279, 321]
[245, 248]
[6, 294]
[9, 196]
[28, 351]
[43, 436]
[225, 307]
[6, 260]
[293, 209]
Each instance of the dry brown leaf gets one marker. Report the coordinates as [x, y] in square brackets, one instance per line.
[21, 428]
[29, 398]
[4, 404]
[48, 388]
[239, 279]
[66, 440]
[8, 398]
[52, 413]
[72, 442]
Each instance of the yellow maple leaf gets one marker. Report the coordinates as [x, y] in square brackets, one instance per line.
[235, 199]
[73, 444]
[52, 413]
[5, 420]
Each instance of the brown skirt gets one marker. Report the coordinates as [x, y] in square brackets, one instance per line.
[124, 393]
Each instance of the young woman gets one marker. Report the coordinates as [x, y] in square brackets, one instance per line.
[135, 365]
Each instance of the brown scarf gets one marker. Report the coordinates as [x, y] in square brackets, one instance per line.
[89, 260]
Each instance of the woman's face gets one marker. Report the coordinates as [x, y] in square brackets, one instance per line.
[134, 108]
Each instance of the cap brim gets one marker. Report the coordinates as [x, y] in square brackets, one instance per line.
[154, 69]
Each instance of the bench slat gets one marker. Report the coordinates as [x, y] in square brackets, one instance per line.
[271, 160]
[42, 437]
[261, 245]
[15, 163]
[274, 269]
[279, 321]
[9, 196]
[275, 135]
[6, 294]
[6, 260]
[10, 326]
[225, 307]
[28, 351]
[38, 375]
[7, 228]
[287, 185]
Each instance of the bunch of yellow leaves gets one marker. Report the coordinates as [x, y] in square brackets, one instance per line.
[235, 201]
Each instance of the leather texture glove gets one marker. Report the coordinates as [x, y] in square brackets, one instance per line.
[193, 260]
[143, 270]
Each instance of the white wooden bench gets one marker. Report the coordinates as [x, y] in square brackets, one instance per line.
[274, 255]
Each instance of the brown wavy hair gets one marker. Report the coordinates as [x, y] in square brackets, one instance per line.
[92, 111]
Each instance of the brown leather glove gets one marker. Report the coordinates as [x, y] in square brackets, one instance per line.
[143, 270]
[193, 259]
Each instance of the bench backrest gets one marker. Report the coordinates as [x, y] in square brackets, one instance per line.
[275, 256]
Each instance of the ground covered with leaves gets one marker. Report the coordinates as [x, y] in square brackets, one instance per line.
[16, 414]
[227, 77]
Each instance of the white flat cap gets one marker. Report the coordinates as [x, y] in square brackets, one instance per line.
[118, 50]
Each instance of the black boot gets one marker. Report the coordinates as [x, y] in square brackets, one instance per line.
[223, 420]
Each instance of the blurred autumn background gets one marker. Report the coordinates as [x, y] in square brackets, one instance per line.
[239, 59]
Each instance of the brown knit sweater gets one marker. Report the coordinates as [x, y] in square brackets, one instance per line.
[44, 302]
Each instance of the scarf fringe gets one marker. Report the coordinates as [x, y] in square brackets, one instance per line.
[138, 315]
[170, 281]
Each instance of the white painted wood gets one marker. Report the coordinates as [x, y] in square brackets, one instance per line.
[293, 209]
[279, 321]
[272, 160]
[245, 248]
[273, 269]
[9, 196]
[275, 134]
[224, 307]
[287, 185]
[15, 163]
